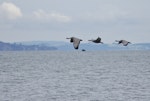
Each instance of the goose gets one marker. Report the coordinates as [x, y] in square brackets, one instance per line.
[124, 42]
[75, 41]
[98, 40]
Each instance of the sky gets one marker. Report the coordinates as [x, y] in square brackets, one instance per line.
[54, 20]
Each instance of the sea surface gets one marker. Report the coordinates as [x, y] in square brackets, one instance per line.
[75, 76]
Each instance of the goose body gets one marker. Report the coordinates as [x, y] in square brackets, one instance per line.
[124, 42]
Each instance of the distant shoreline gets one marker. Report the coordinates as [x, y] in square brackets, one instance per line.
[66, 46]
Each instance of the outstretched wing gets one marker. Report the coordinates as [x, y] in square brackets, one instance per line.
[98, 39]
[124, 42]
[76, 43]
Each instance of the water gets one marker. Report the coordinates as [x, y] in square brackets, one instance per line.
[75, 76]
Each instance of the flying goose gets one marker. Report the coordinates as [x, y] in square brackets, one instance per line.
[124, 42]
[75, 41]
[98, 40]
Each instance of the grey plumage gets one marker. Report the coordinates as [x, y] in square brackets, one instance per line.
[98, 40]
[75, 41]
[124, 42]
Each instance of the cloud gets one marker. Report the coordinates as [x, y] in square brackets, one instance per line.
[42, 15]
[10, 11]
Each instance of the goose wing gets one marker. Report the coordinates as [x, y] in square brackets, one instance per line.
[76, 43]
[124, 42]
[98, 39]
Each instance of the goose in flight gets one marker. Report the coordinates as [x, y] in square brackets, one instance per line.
[75, 41]
[124, 42]
[98, 40]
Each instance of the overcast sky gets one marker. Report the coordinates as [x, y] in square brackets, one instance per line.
[54, 20]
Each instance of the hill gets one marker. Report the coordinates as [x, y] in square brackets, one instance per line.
[65, 46]
[20, 47]
[60, 45]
